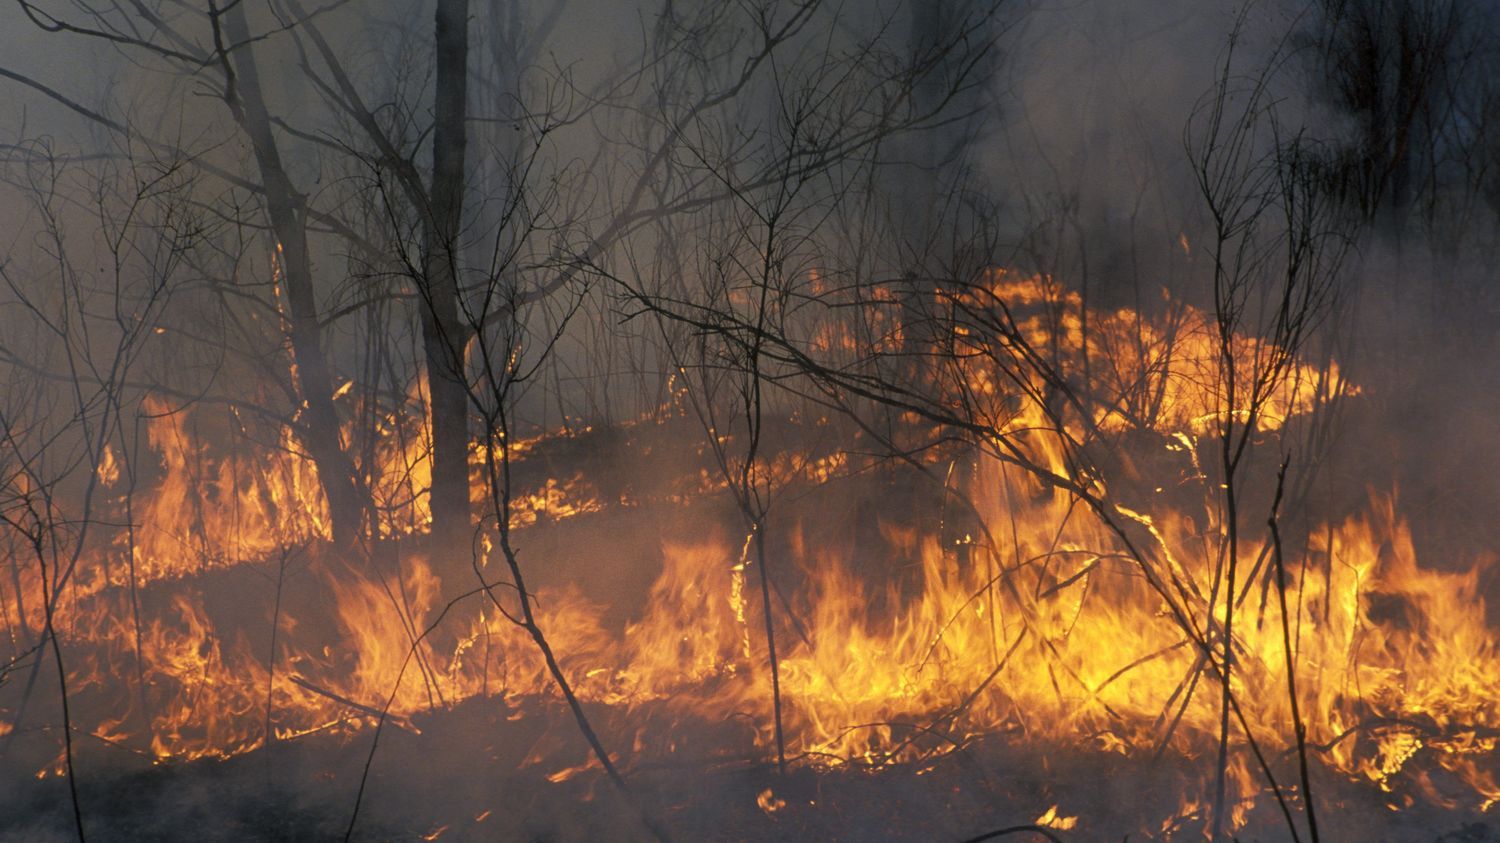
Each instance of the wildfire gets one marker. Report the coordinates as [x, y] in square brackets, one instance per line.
[1041, 624]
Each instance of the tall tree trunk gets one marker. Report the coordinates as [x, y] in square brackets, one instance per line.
[287, 212]
[444, 334]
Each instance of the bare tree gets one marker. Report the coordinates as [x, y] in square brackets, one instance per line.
[1034, 406]
[1276, 245]
[71, 350]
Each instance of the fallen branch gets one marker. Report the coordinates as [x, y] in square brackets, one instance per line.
[402, 722]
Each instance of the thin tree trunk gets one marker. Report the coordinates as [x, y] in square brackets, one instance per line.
[443, 334]
[286, 209]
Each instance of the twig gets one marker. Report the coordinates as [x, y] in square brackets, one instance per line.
[1015, 829]
[345, 701]
[1291, 672]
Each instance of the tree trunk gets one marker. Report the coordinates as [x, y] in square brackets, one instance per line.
[286, 210]
[444, 335]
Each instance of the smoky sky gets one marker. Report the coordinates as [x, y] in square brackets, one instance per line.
[1080, 136]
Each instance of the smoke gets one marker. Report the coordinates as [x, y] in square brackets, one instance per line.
[1088, 149]
[1082, 144]
[1089, 152]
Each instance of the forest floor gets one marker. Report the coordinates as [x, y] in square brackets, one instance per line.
[470, 770]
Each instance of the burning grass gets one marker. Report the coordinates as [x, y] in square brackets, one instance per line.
[962, 643]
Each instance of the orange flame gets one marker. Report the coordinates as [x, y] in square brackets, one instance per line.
[1039, 622]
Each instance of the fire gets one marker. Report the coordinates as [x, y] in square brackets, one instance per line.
[1162, 375]
[769, 801]
[1036, 621]
[108, 471]
[1052, 820]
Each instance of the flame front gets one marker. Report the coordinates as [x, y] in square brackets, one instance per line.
[1022, 614]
